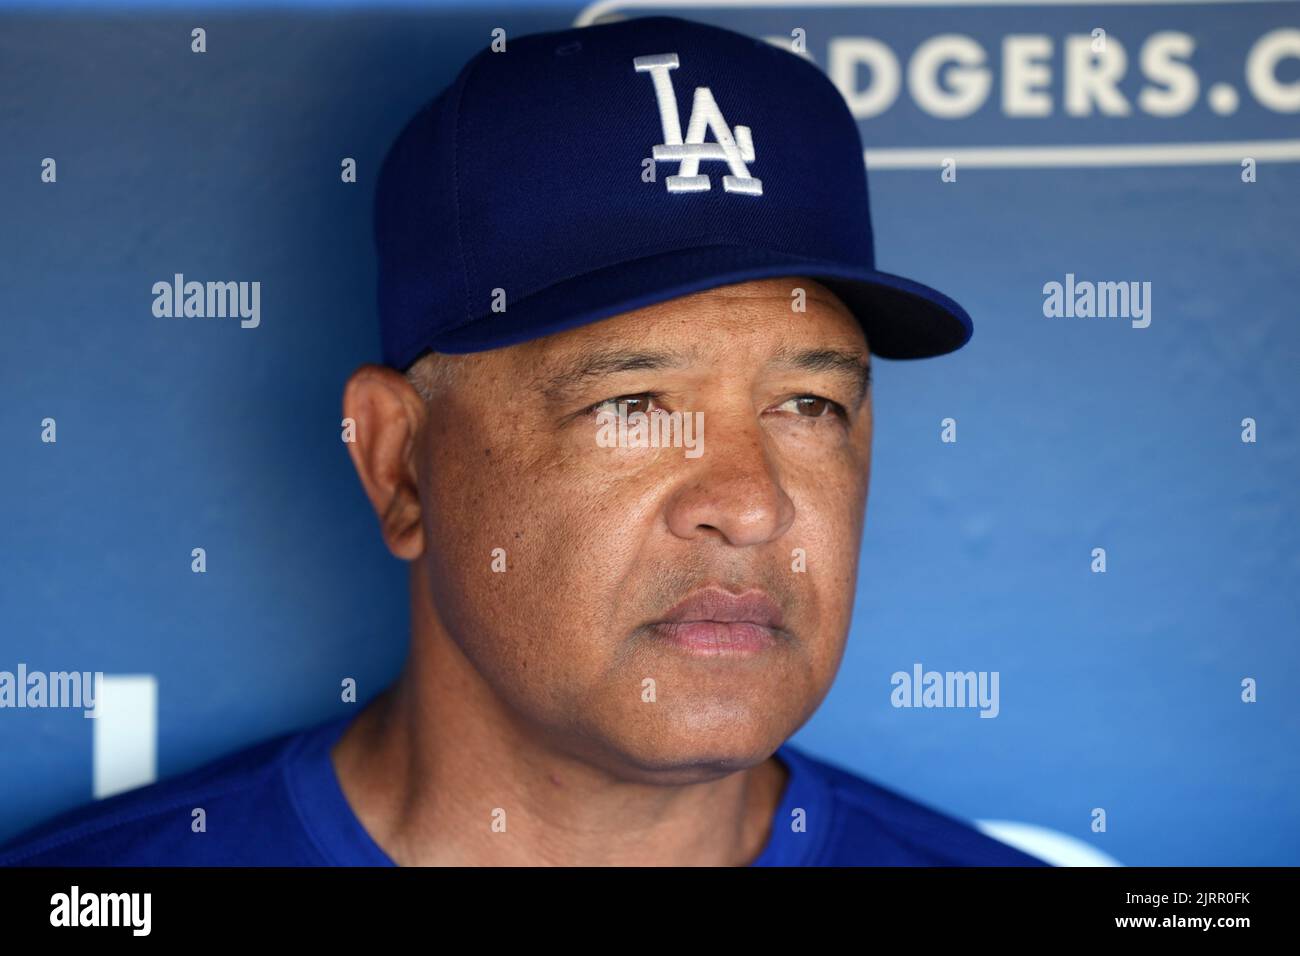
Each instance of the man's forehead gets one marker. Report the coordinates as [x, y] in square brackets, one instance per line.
[773, 296]
[758, 289]
[648, 340]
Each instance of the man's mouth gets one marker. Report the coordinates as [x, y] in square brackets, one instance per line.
[714, 621]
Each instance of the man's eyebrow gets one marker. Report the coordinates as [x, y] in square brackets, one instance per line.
[593, 363]
[854, 366]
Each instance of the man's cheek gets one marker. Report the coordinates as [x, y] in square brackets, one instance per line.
[536, 560]
[832, 558]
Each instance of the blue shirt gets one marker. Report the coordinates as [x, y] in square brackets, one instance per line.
[279, 803]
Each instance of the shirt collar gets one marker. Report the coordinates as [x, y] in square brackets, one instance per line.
[795, 839]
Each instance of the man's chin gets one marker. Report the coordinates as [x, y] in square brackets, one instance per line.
[691, 757]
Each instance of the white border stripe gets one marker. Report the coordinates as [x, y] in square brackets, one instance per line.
[602, 7]
[1142, 154]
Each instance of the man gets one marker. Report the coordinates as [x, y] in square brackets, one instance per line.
[622, 437]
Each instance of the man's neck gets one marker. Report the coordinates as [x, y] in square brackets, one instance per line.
[439, 772]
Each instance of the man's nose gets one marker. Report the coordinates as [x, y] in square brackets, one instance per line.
[732, 491]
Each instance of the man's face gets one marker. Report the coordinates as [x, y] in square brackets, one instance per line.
[601, 543]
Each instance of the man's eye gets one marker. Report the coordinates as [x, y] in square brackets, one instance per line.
[812, 406]
[624, 404]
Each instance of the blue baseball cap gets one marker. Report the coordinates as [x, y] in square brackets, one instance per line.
[582, 173]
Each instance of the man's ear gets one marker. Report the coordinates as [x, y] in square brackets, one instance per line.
[388, 414]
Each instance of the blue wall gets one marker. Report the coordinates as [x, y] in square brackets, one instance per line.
[1118, 690]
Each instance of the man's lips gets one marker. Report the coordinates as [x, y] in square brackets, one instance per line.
[714, 621]
[715, 604]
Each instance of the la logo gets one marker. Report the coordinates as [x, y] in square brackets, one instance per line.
[735, 150]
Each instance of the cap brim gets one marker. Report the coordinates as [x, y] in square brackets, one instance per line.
[901, 318]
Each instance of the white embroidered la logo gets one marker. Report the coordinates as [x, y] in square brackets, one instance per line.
[705, 115]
